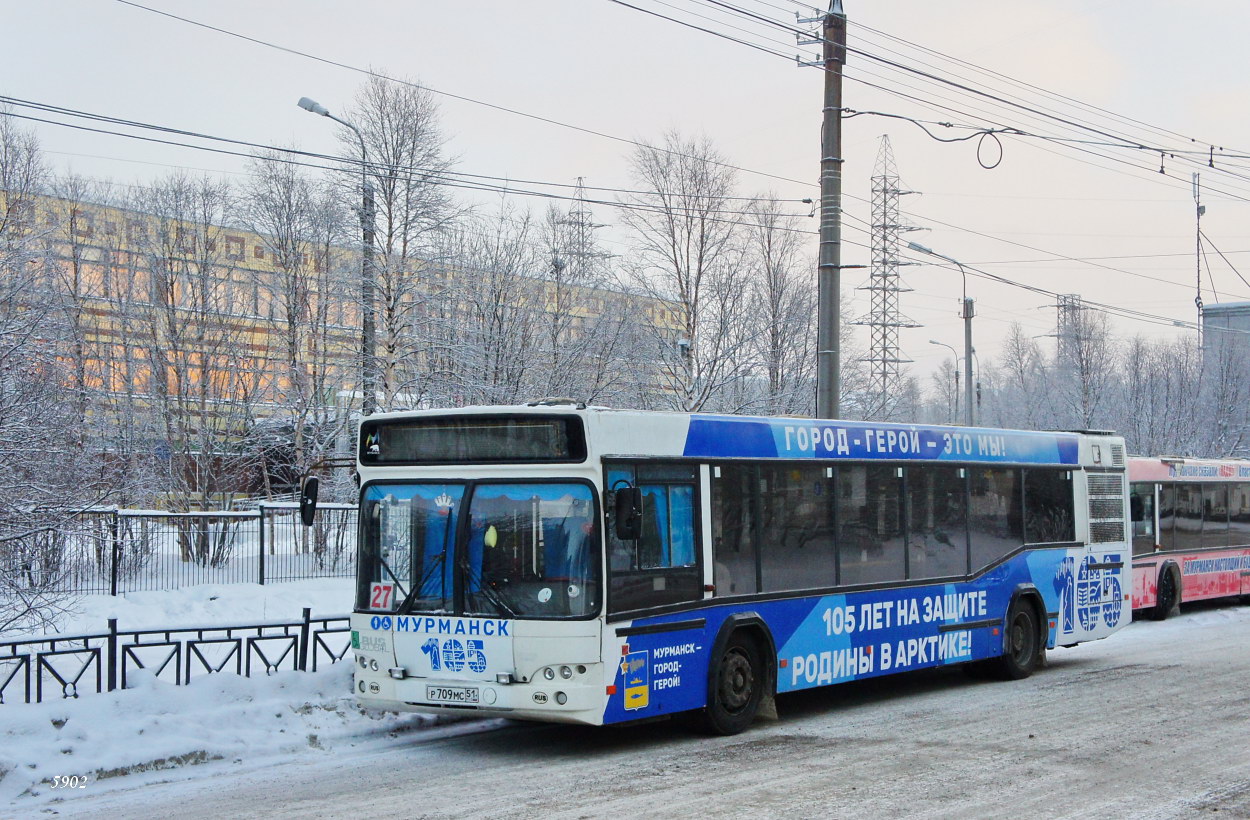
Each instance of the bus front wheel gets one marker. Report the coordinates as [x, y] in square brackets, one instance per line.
[737, 687]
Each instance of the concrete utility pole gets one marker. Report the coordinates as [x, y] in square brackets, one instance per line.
[829, 268]
[1199, 210]
[967, 314]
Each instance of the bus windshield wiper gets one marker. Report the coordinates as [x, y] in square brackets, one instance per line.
[390, 572]
[411, 597]
[485, 590]
[491, 594]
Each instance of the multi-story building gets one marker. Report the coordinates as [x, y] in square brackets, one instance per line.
[180, 335]
[1226, 324]
[1226, 360]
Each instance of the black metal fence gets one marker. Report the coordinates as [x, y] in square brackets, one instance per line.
[115, 551]
[36, 669]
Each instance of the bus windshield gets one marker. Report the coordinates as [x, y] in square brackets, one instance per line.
[527, 550]
[406, 552]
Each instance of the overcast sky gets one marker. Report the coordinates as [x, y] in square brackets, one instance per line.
[1177, 71]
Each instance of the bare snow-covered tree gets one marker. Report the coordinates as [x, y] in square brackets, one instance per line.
[1159, 396]
[1020, 395]
[399, 123]
[502, 301]
[202, 372]
[74, 274]
[947, 392]
[89, 270]
[41, 482]
[782, 307]
[1085, 368]
[127, 426]
[687, 253]
[301, 224]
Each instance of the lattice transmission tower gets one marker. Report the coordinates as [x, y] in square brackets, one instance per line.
[884, 284]
[580, 241]
[1068, 325]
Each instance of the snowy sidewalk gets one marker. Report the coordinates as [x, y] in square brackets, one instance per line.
[152, 726]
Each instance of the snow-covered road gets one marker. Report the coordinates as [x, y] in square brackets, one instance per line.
[1153, 722]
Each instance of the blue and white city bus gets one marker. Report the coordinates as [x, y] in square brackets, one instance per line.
[589, 565]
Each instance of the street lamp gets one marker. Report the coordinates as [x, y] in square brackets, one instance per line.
[955, 354]
[368, 363]
[966, 314]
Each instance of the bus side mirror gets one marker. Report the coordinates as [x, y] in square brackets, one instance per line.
[308, 499]
[627, 513]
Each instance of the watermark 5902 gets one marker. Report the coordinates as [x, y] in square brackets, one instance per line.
[69, 781]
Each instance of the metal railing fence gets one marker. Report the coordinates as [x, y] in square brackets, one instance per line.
[68, 666]
[116, 551]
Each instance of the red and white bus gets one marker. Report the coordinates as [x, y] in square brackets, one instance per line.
[1191, 531]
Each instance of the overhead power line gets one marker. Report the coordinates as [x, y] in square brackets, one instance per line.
[551, 121]
[506, 109]
[462, 98]
[1231, 266]
[451, 179]
[1031, 87]
[465, 181]
[1118, 140]
[1102, 307]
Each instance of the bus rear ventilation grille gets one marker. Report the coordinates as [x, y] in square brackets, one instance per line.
[1106, 484]
[1106, 532]
[1106, 509]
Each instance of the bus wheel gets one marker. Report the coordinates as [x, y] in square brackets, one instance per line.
[1022, 650]
[737, 688]
[1168, 596]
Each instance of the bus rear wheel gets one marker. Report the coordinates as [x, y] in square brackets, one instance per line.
[1168, 596]
[737, 687]
[1022, 645]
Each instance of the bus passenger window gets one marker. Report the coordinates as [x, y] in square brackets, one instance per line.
[1239, 514]
[994, 526]
[667, 527]
[733, 530]
[1215, 515]
[1167, 516]
[1187, 533]
[1049, 517]
[796, 526]
[937, 521]
[870, 524]
[1142, 511]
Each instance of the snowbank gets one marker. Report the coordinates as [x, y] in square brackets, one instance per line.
[153, 726]
[218, 720]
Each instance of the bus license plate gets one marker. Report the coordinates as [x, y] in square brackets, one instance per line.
[452, 694]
